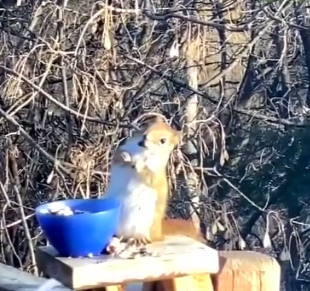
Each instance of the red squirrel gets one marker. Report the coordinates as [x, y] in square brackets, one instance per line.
[139, 181]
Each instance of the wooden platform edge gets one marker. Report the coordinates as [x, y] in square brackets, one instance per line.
[179, 257]
[12, 279]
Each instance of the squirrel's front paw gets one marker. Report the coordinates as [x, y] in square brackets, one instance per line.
[115, 246]
[139, 165]
[122, 157]
[125, 156]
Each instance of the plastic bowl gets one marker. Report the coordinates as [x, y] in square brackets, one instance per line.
[80, 235]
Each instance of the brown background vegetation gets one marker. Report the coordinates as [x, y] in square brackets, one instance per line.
[234, 75]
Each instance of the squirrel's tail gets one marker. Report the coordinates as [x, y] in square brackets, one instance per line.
[181, 227]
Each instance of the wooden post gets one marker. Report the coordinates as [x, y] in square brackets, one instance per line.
[247, 271]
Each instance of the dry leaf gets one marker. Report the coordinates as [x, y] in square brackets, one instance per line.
[222, 160]
[137, 10]
[178, 168]
[214, 228]
[50, 177]
[20, 92]
[241, 243]
[267, 240]
[224, 153]
[106, 34]
[107, 40]
[220, 226]
[209, 235]
[285, 255]
[94, 27]
[226, 156]
[174, 50]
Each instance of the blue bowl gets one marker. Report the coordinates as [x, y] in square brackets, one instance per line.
[79, 235]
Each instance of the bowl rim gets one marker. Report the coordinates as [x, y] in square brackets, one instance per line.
[116, 207]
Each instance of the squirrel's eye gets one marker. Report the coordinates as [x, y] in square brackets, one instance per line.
[163, 140]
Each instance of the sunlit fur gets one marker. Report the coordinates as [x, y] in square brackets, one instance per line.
[143, 188]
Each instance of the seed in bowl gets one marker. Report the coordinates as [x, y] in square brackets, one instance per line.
[65, 211]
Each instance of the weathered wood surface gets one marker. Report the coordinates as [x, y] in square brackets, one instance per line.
[176, 256]
[239, 271]
[12, 279]
[247, 271]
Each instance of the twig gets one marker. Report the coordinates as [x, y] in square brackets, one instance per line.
[221, 26]
[177, 82]
[59, 39]
[299, 122]
[16, 222]
[16, 186]
[56, 162]
[59, 104]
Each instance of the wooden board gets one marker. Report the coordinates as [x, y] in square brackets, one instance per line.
[12, 279]
[176, 256]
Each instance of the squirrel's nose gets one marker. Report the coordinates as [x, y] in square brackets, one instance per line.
[141, 143]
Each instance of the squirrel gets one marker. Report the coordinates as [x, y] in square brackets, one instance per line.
[138, 179]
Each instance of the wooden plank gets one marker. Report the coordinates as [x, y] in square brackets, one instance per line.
[247, 271]
[175, 257]
[12, 279]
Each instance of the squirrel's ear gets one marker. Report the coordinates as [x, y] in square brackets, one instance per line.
[159, 118]
[148, 120]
